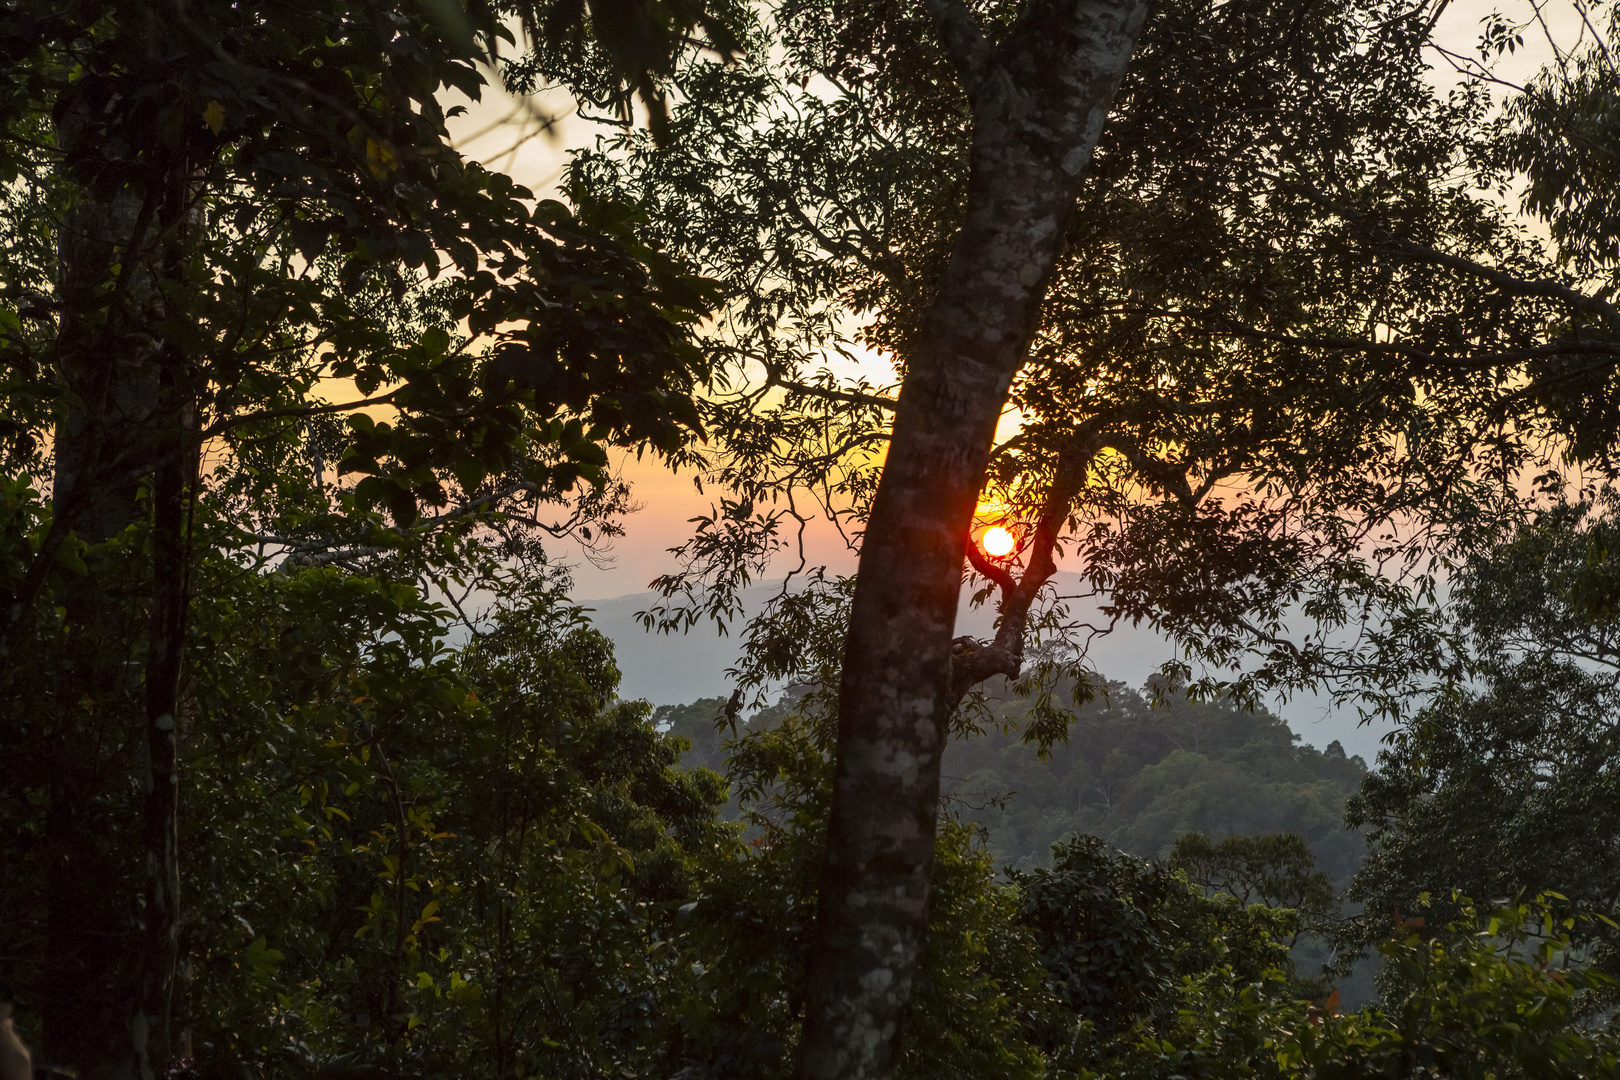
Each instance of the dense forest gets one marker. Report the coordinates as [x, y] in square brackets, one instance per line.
[1136, 776]
[1285, 330]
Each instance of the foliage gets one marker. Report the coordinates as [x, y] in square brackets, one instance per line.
[229, 230]
[323, 189]
[1290, 360]
[1118, 934]
[1487, 995]
[46, 700]
[1507, 791]
[751, 930]
[1142, 776]
[1138, 773]
[1563, 138]
[1276, 870]
[462, 863]
[347, 773]
[1494, 996]
[1508, 787]
[465, 861]
[1560, 135]
[1115, 936]
[407, 856]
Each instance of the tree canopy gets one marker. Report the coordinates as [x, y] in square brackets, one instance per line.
[1285, 353]
[232, 232]
[1275, 346]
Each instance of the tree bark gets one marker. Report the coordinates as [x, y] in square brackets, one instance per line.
[1039, 99]
[119, 425]
[151, 1034]
[86, 977]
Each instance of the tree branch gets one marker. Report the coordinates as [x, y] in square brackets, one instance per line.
[1168, 476]
[1476, 362]
[1383, 236]
[972, 661]
[964, 42]
[849, 397]
[298, 410]
[990, 570]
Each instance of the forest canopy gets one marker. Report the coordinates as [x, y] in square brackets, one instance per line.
[311, 767]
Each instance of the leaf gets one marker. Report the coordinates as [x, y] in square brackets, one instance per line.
[214, 116]
[401, 504]
[451, 20]
[70, 555]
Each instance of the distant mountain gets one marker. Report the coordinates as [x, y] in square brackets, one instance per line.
[1135, 775]
[671, 669]
[668, 669]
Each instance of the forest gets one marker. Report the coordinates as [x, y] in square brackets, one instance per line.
[1286, 330]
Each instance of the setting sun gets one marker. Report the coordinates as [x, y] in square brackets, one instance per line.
[997, 542]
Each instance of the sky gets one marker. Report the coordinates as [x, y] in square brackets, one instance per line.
[507, 135]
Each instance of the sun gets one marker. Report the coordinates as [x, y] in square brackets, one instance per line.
[997, 542]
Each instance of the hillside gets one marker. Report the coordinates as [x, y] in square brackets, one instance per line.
[1139, 777]
[1134, 775]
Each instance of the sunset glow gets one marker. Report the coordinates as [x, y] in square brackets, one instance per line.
[997, 542]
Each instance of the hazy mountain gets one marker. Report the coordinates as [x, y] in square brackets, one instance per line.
[669, 669]
[673, 669]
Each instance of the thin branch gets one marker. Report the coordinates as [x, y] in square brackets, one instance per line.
[1171, 477]
[973, 662]
[1473, 362]
[988, 569]
[341, 556]
[1503, 282]
[299, 411]
[850, 397]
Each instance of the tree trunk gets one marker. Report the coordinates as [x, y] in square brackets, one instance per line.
[106, 365]
[150, 1028]
[110, 368]
[1039, 100]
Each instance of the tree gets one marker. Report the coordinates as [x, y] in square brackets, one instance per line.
[1116, 934]
[1286, 358]
[1197, 270]
[1507, 786]
[752, 931]
[457, 862]
[1489, 994]
[1499, 785]
[1275, 870]
[245, 210]
[1038, 98]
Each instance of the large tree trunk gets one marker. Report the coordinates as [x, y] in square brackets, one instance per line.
[110, 872]
[1039, 101]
